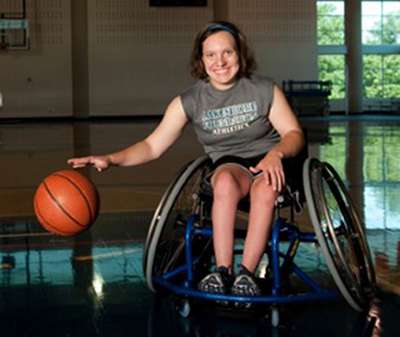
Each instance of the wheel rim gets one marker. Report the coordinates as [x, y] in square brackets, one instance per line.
[339, 232]
[355, 250]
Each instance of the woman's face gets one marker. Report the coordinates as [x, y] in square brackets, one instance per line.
[220, 59]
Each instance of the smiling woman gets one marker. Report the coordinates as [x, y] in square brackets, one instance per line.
[246, 127]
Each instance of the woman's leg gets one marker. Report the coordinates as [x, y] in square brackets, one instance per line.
[230, 184]
[262, 206]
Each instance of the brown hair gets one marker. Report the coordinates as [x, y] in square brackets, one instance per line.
[247, 63]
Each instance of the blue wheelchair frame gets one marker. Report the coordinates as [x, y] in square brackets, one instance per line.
[280, 228]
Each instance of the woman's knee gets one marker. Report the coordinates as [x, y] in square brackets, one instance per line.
[227, 184]
[224, 182]
[263, 193]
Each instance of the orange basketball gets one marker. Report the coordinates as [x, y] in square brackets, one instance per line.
[66, 202]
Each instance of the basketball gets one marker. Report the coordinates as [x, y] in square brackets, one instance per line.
[66, 203]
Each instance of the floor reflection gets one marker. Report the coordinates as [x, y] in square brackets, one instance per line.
[213, 322]
[366, 156]
[92, 284]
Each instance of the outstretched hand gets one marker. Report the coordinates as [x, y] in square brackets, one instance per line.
[272, 168]
[101, 163]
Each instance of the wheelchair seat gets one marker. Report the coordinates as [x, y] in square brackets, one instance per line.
[292, 195]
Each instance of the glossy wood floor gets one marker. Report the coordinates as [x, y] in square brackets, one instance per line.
[92, 284]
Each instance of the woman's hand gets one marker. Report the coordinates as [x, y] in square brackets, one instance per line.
[101, 163]
[271, 166]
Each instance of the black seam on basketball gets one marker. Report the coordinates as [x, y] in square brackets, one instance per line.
[42, 218]
[79, 190]
[61, 207]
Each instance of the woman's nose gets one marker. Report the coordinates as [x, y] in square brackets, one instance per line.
[221, 59]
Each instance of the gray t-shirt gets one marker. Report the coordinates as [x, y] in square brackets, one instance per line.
[234, 121]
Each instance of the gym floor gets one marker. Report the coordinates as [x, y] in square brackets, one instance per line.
[93, 285]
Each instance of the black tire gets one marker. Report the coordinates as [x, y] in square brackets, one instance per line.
[340, 233]
[164, 246]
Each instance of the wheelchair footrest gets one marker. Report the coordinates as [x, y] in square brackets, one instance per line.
[189, 292]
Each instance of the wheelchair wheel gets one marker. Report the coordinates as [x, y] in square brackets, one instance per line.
[164, 246]
[340, 233]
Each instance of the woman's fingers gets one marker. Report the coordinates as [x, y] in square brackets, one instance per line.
[96, 162]
[273, 173]
[275, 178]
[280, 179]
[254, 169]
[275, 181]
[75, 163]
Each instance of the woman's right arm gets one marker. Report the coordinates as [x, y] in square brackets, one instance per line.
[150, 148]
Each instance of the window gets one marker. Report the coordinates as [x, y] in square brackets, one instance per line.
[331, 50]
[330, 26]
[381, 22]
[381, 48]
[331, 68]
[381, 51]
[381, 76]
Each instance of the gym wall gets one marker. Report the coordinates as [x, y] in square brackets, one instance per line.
[125, 58]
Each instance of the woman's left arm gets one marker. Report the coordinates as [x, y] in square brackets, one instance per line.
[286, 124]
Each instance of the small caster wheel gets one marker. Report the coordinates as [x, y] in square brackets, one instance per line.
[274, 317]
[184, 309]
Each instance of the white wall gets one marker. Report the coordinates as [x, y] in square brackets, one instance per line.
[38, 82]
[137, 56]
[283, 34]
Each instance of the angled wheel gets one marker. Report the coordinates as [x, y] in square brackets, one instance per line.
[340, 233]
[164, 246]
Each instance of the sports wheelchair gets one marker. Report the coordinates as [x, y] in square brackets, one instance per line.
[179, 252]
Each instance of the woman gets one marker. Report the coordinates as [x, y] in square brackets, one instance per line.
[246, 126]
